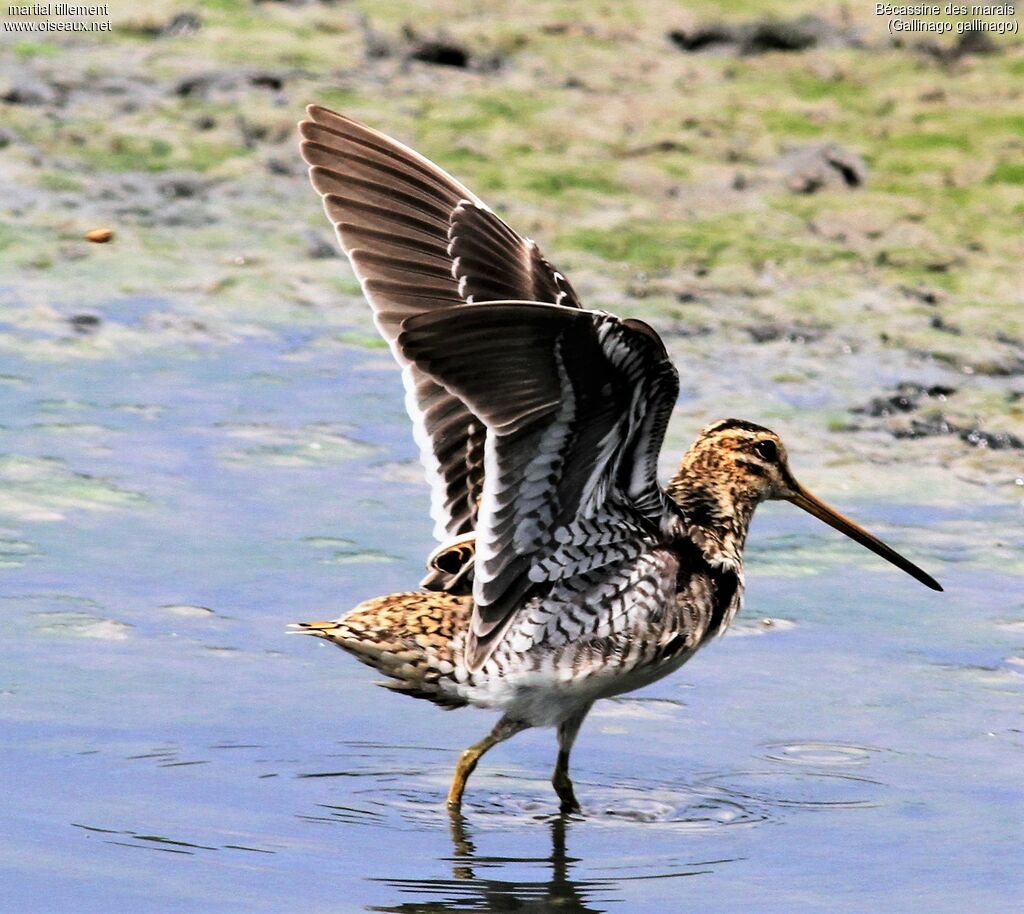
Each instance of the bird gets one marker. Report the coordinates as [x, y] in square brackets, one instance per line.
[566, 572]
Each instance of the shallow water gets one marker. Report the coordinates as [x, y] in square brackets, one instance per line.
[854, 744]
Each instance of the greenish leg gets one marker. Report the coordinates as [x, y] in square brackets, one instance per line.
[506, 728]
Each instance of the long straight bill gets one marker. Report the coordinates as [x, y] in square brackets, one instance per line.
[804, 499]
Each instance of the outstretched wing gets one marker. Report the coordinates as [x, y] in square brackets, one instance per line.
[575, 404]
[420, 242]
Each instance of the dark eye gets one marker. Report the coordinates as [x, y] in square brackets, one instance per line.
[767, 450]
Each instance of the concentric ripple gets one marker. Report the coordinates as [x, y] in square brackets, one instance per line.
[821, 753]
[808, 789]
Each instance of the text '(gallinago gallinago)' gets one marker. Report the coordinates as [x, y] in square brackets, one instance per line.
[567, 572]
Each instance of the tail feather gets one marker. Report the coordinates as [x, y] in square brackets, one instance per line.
[413, 638]
[319, 629]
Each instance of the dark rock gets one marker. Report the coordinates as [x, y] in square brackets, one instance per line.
[770, 333]
[203, 85]
[252, 134]
[906, 398]
[440, 50]
[784, 35]
[850, 165]
[196, 86]
[281, 167]
[975, 41]
[703, 38]
[180, 24]
[765, 333]
[187, 23]
[971, 41]
[813, 167]
[263, 80]
[886, 406]
[120, 187]
[928, 427]
[937, 323]
[910, 396]
[440, 53]
[84, 323]
[657, 146]
[29, 91]
[181, 187]
[921, 294]
[997, 441]
[788, 35]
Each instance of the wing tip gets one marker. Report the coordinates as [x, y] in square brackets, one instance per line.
[316, 113]
[312, 119]
[319, 117]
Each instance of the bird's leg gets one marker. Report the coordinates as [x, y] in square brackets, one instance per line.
[506, 727]
[562, 783]
[560, 780]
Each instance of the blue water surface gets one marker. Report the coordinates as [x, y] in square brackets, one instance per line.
[167, 511]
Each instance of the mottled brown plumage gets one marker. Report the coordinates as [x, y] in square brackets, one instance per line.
[566, 573]
[410, 637]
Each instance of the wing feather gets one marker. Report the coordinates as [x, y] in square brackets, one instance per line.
[399, 217]
[539, 423]
[575, 404]
[480, 241]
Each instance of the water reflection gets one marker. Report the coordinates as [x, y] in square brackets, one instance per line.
[548, 880]
[470, 889]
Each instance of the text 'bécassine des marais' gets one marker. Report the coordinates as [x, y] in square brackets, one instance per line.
[950, 9]
[58, 9]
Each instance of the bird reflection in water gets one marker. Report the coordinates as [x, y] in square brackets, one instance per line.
[469, 891]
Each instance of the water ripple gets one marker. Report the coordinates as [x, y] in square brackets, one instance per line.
[129, 838]
[797, 789]
[820, 753]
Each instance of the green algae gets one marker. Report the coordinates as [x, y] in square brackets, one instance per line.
[46, 489]
[649, 175]
[278, 446]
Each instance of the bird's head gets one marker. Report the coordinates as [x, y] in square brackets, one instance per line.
[735, 465]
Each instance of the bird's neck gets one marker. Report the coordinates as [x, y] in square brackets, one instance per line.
[716, 516]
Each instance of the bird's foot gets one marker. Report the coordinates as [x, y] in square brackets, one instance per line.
[563, 787]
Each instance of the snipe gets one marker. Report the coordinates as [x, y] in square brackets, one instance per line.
[567, 573]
